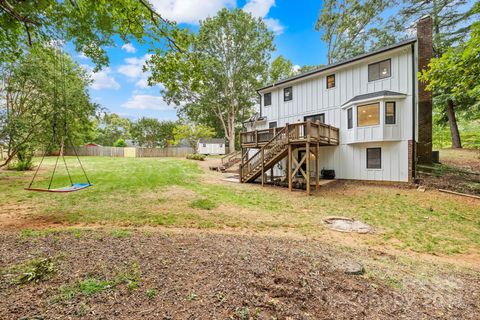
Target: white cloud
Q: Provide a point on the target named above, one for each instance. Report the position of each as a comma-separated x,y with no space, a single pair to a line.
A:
145,101
274,25
190,11
133,70
260,9
296,68
129,48
103,79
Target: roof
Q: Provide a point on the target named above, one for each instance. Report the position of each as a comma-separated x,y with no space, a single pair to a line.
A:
213,140
384,93
340,63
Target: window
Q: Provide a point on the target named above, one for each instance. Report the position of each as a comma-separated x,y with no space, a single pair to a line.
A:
349,118
221,145
330,81
272,124
320,117
379,70
368,115
287,94
374,158
204,145
390,112
267,99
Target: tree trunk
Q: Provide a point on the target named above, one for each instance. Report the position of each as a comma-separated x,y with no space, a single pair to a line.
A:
452,121
231,144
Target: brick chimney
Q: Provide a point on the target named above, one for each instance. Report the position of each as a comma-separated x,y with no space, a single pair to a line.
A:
425,53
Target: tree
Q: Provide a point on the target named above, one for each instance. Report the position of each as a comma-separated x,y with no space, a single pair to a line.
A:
455,75
41,96
451,25
192,133
280,68
153,133
307,68
89,25
218,75
350,27
111,127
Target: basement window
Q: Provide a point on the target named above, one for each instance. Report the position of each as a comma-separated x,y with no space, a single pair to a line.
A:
330,81
316,117
374,158
368,115
390,112
267,99
272,124
287,94
379,70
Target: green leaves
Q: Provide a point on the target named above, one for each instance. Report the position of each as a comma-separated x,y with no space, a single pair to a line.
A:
213,80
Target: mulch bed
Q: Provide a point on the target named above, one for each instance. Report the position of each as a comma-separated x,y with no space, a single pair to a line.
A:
214,276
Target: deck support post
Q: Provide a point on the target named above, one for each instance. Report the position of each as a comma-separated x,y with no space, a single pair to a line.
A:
271,174
317,175
307,178
289,167
263,168
241,165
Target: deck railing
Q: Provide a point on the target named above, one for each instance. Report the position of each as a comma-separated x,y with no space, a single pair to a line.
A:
315,131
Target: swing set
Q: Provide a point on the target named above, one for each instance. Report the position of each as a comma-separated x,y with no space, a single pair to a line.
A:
58,138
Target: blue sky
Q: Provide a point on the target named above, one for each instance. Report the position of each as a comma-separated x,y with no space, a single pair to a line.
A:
121,88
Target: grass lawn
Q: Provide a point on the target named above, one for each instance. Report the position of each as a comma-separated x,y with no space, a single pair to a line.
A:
178,193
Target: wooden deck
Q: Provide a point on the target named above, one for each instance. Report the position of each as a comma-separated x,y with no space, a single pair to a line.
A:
315,132
277,143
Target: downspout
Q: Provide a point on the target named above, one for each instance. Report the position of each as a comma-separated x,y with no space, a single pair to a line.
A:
414,118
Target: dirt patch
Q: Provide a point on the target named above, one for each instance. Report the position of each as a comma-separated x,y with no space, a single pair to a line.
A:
344,224
212,276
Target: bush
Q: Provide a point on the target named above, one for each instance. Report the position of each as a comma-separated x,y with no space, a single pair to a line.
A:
21,165
120,143
196,156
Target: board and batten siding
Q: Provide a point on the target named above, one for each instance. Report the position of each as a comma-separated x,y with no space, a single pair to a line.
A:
311,96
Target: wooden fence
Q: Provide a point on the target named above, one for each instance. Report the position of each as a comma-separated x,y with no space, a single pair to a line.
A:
130,152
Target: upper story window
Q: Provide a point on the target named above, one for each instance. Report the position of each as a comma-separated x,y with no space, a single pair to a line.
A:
272,124
390,112
330,81
379,70
368,115
267,99
221,145
316,117
287,94
350,118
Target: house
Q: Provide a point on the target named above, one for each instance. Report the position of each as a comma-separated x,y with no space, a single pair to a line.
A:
211,146
366,118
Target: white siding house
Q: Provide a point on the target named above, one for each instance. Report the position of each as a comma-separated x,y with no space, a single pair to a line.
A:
211,146
371,99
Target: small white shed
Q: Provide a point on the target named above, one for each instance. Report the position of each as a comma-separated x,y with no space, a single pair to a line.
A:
211,146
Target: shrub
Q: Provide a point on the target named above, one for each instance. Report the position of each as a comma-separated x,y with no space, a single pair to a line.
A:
196,156
120,143
20,165
37,270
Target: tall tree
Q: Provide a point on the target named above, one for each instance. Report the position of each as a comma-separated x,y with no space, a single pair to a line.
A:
111,127
452,20
39,94
351,27
152,133
455,74
89,25
280,68
218,75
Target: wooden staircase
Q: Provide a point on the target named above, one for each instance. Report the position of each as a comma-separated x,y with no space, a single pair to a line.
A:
274,144
266,157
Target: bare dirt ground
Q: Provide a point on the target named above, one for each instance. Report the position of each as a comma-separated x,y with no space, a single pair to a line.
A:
212,276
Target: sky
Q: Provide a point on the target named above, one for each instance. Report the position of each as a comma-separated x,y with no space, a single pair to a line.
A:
122,87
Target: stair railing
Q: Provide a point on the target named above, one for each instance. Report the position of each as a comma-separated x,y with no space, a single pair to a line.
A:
258,159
